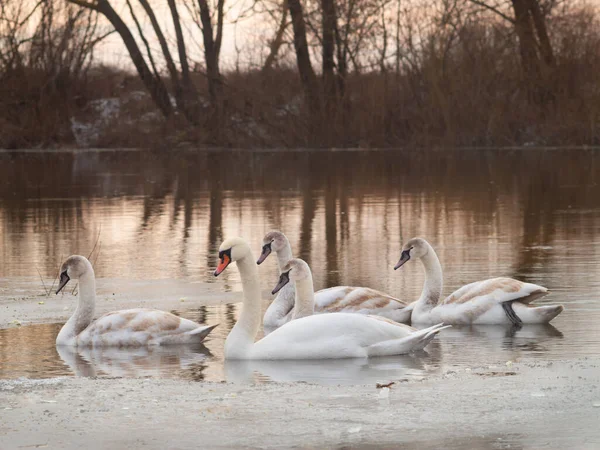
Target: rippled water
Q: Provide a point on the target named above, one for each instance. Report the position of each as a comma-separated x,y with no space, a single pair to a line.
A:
533,215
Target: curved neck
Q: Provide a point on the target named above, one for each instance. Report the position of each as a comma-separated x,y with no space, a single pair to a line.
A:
305,298
284,255
276,313
84,313
241,338
432,288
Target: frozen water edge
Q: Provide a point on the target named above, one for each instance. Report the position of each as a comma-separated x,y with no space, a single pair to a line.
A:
482,409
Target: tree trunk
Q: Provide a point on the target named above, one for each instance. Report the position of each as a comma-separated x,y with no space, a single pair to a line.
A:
190,95
211,55
307,74
278,40
527,46
156,87
174,74
542,33
328,48
329,80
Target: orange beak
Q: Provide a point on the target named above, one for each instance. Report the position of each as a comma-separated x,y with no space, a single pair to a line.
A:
222,265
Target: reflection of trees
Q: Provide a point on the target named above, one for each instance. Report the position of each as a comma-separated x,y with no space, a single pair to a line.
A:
308,214
52,203
539,202
332,276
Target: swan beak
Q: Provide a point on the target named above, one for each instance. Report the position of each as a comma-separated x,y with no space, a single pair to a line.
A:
284,279
405,256
223,263
266,251
64,279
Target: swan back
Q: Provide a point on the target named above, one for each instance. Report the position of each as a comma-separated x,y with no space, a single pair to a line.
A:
496,290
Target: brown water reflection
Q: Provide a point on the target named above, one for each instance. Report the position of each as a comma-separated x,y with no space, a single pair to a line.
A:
531,214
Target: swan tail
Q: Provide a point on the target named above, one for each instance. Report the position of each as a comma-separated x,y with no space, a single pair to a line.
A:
550,312
417,340
530,314
200,333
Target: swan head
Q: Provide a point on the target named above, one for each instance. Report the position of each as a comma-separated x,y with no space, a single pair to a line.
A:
414,248
74,267
295,270
272,242
231,250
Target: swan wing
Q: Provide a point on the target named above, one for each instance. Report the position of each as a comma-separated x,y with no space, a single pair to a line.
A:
496,291
138,327
354,299
329,336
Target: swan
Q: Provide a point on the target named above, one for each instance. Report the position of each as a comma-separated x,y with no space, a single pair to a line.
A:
361,300
125,328
325,336
489,302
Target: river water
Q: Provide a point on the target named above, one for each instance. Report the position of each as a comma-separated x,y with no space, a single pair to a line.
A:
529,214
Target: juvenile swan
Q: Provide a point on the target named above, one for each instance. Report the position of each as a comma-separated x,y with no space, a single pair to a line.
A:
326,336
126,328
361,300
493,301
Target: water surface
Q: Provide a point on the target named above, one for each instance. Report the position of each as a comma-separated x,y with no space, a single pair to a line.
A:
533,215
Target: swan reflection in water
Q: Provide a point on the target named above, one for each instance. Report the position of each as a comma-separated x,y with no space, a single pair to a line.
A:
329,371
176,361
468,346
472,345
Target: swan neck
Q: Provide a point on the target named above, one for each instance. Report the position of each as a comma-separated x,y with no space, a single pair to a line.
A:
284,255
84,313
305,299
241,338
278,310
432,288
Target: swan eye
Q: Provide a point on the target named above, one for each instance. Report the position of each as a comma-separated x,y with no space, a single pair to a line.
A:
224,253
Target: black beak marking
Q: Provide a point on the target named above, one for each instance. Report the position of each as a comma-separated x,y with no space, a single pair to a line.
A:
266,251
224,261
404,257
64,279
284,279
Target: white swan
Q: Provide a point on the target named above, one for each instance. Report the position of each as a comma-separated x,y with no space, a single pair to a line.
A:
493,301
361,300
125,328
325,336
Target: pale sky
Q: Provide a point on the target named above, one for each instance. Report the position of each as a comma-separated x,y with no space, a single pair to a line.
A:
249,35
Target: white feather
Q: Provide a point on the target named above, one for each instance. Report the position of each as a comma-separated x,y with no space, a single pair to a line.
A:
325,336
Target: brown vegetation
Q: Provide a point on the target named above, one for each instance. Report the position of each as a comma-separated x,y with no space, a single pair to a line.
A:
390,73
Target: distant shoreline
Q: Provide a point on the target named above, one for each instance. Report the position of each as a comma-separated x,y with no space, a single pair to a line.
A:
299,149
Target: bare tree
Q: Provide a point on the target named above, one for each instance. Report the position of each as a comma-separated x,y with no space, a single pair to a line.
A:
307,74
155,86
535,48
277,41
